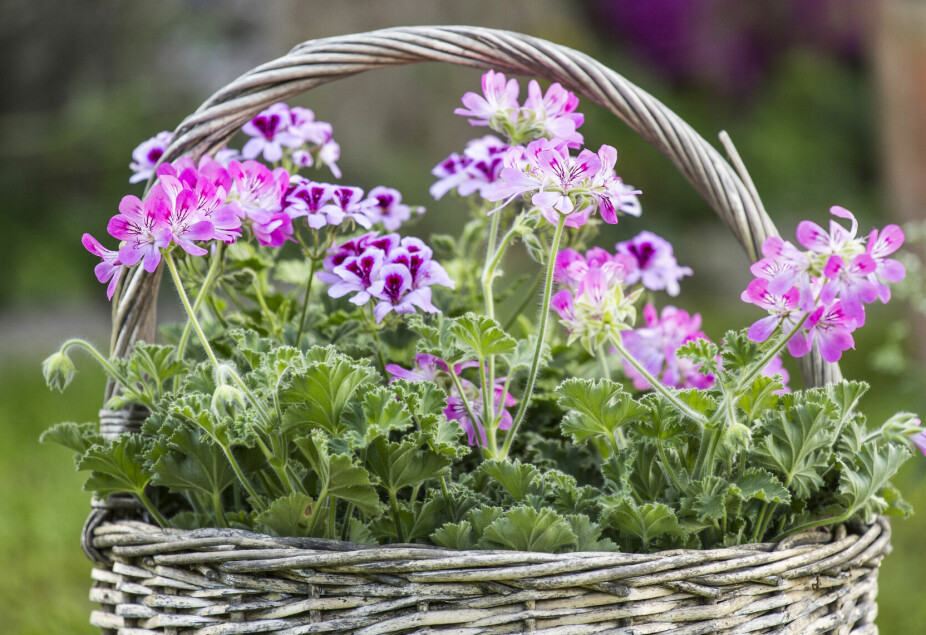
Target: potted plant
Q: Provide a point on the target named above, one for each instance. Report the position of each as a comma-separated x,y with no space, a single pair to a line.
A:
350,432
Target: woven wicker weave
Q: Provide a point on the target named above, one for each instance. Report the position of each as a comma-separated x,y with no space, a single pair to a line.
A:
152,581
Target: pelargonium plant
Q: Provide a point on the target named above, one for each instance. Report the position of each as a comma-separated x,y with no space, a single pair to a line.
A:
338,376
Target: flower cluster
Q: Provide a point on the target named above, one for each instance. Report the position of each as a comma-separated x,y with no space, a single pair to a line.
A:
551,114
396,271
282,132
592,305
460,406
655,346
476,170
324,204
188,205
820,294
563,185
145,157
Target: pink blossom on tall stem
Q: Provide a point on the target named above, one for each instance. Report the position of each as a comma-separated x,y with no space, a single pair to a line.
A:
919,440
110,269
258,198
209,183
185,220
830,329
555,112
784,309
838,240
146,156
384,205
657,269
851,284
499,99
142,228
349,202
308,199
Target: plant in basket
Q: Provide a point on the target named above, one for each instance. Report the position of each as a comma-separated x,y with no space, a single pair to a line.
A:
339,377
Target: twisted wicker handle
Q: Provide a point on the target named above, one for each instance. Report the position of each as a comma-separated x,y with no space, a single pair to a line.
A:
320,61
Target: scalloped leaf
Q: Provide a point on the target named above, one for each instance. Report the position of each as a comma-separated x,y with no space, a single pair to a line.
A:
595,409
526,529
517,478
455,536
482,335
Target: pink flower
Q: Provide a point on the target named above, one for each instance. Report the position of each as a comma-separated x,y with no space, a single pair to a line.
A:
655,346
142,227
784,309
476,170
830,329
881,245
269,132
656,267
385,206
836,241
554,112
110,269
851,284
349,203
146,156
305,198
209,183
257,197
498,100
919,440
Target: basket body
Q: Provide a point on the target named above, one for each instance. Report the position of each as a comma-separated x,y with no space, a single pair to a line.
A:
213,582
150,581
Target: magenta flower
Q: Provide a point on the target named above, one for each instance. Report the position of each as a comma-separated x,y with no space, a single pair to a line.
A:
146,156
356,275
142,227
499,99
476,170
850,284
110,269
305,198
385,206
830,329
349,203
838,240
881,245
257,197
784,309
656,344
656,267
269,132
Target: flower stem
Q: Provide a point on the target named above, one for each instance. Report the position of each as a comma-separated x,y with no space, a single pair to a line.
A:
305,300
208,281
189,309
469,409
374,331
541,333
159,519
657,385
87,346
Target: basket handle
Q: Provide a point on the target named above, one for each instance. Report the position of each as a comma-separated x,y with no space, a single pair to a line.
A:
317,62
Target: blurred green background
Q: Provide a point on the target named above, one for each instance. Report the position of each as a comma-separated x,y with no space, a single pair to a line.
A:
802,88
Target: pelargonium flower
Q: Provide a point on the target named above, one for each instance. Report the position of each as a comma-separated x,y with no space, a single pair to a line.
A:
919,440
656,267
656,344
476,170
436,370
785,311
349,202
499,99
270,132
385,206
305,198
881,245
830,329
838,241
562,185
257,196
399,272
145,157
110,269
554,113
210,183
141,227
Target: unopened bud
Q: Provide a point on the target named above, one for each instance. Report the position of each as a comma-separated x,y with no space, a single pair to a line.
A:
58,370
739,436
226,399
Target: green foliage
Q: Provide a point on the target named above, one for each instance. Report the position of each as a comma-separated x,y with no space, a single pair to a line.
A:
482,336
595,409
525,529
116,466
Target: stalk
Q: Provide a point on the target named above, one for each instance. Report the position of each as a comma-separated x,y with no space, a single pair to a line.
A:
208,281
151,508
87,346
189,309
305,300
541,333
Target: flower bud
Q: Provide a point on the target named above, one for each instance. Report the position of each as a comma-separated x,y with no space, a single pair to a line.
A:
226,399
58,370
739,435
901,426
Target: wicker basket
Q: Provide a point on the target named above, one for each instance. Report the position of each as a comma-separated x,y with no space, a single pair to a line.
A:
153,581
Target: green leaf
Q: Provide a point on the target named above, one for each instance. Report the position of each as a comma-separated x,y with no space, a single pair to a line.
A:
760,396
426,403
482,335
526,529
796,444
116,466
455,536
192,461
588,534
757,483
289,516
700,351
647,522
862,481
523,355
595,409
738,351
338,476
378,414
517,478
405,464
846,395
78,437
483,516
318,396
